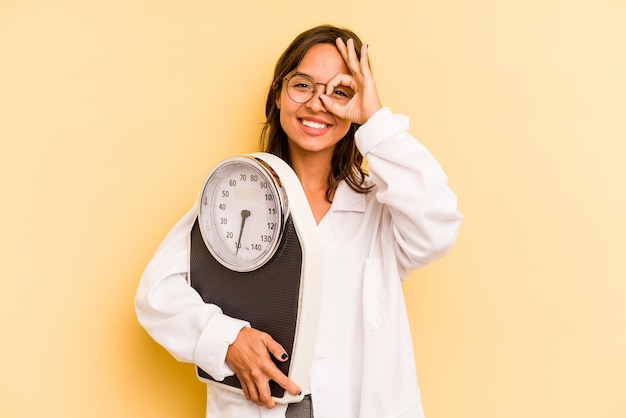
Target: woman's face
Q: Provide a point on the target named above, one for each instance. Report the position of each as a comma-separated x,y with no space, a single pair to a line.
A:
310,128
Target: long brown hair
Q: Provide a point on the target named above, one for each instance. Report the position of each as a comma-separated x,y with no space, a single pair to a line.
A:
347,161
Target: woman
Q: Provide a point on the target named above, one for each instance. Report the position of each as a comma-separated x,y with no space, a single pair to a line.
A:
323,115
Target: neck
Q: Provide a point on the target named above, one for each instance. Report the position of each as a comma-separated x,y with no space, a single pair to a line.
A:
312,171
311,168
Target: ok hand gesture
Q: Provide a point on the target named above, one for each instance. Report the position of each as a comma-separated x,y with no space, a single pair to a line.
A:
365,101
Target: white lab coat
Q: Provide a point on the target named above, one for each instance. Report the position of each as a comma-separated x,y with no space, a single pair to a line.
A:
363,364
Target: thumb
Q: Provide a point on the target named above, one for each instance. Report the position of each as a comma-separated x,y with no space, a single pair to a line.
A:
276,349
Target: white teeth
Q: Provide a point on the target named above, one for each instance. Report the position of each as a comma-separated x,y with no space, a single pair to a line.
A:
314,125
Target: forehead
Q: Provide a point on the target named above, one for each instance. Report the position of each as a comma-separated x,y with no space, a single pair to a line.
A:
322,62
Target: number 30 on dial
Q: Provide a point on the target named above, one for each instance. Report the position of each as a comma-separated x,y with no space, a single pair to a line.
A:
242,212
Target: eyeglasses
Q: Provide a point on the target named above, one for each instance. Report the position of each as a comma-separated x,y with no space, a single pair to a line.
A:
301,88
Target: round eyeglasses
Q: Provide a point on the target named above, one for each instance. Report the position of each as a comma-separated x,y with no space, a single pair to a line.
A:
301,88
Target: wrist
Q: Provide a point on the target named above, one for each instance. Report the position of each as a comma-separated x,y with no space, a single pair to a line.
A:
371,111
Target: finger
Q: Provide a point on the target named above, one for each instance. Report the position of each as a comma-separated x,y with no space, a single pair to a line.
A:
285,382
244,387
365,65
250,391
333,107
275,348
341,46
348,53
256,386
353,59
265,396
340,80
274,372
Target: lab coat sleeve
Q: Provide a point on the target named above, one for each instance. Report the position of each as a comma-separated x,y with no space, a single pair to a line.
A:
414,188
175,315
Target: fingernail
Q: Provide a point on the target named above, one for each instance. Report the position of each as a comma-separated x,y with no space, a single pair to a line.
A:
284,356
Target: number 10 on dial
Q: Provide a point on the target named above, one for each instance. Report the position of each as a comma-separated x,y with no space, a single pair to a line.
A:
242,212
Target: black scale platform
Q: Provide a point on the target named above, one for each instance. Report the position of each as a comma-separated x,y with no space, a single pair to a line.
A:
268,297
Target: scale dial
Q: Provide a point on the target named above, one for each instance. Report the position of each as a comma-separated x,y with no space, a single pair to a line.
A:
242,213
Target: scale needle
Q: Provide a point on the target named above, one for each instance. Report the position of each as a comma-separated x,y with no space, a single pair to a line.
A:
244,215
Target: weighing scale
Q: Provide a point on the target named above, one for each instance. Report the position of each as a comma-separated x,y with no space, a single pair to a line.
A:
256,253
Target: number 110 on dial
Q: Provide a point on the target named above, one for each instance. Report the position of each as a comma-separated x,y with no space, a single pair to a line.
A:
242,212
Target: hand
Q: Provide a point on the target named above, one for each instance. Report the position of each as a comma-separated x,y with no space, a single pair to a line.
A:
249,357
365,101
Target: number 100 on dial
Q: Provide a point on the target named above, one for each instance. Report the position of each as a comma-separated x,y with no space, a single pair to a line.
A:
242,212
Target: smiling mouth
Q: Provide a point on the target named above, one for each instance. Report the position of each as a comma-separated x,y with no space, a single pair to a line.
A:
314,125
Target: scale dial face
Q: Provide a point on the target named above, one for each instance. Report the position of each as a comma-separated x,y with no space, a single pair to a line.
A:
242,212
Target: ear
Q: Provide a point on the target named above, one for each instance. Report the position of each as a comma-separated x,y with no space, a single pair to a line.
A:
278,94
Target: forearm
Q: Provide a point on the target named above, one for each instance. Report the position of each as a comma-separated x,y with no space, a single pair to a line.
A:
175,315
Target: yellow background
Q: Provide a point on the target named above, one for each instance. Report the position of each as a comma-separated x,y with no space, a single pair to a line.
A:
112,112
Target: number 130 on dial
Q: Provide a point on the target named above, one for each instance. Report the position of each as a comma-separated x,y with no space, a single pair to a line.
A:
242,212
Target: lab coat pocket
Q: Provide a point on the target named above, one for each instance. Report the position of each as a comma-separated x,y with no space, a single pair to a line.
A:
375,295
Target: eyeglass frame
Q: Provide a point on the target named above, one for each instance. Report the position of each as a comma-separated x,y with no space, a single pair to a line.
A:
315,84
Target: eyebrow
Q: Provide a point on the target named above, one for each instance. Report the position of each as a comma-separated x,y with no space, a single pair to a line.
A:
308,76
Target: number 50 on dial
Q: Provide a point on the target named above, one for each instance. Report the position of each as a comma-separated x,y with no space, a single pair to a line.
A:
242,212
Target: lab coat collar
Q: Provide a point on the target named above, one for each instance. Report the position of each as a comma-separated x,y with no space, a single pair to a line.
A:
345,200
348,200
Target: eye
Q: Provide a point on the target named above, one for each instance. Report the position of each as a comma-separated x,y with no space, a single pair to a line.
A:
301,83
343,93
